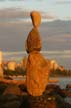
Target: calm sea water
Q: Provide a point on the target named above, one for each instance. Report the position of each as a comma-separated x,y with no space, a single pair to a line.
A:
61,57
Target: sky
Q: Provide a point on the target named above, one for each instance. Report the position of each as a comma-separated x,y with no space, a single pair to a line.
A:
58,9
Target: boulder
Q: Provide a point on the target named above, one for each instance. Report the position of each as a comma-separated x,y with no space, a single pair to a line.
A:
37,73
1,72
36,18
10,101
11,65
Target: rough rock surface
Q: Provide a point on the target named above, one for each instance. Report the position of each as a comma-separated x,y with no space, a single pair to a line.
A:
37,73
12,89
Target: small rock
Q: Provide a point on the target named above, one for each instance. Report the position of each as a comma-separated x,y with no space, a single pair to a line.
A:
36,18
10,101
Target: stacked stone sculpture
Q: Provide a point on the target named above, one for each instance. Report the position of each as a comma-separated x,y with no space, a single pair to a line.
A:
37,66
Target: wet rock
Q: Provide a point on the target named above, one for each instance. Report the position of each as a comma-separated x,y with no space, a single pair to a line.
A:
13,89
33,41
10,101
36,18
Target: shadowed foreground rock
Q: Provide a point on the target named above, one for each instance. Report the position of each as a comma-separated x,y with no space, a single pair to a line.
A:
10,101
51,98
13,89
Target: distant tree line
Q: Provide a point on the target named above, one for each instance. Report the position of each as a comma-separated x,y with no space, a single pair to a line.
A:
58,72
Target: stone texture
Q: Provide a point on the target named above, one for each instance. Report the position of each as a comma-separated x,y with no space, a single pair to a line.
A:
10,101
36,18
37,73
12,89
33,41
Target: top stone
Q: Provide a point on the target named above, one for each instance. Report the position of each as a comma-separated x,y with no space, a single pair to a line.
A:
36,18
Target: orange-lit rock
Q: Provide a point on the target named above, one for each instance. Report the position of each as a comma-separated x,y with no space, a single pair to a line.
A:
54,65
33,41
1,57
1,72
24,63
11,65
37,73
36,18
13,89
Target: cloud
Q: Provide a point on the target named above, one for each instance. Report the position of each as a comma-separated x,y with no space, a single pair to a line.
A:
48,16
63,2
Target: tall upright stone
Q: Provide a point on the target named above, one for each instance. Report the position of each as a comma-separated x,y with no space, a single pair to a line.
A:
1,69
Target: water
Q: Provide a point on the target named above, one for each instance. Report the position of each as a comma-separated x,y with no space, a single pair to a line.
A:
63,81
62,57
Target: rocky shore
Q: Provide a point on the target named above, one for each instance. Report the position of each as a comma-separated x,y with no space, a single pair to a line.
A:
16,96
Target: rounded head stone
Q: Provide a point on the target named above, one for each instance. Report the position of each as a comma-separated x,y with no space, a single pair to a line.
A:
36,18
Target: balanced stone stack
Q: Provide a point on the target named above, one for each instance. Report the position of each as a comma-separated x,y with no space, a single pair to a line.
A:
37,66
